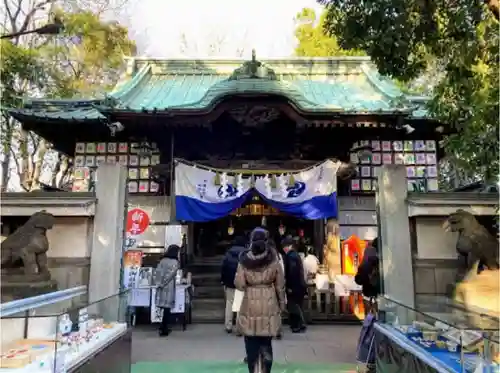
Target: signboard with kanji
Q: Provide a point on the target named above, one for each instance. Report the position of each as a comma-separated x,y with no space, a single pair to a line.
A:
137,222
132,262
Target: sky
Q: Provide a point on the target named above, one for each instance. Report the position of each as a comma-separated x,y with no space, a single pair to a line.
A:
236,26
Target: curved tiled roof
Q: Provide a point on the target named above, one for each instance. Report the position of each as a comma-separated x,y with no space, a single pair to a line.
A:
348,84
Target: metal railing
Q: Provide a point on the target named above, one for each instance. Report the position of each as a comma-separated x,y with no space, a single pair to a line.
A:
21,305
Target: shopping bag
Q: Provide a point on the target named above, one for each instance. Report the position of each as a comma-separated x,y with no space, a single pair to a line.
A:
237,300
365,355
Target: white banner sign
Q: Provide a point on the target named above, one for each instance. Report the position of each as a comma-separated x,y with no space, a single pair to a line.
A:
204,195
179,307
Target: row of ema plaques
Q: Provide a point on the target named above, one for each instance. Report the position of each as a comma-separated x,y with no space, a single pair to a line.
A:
419,157
89,155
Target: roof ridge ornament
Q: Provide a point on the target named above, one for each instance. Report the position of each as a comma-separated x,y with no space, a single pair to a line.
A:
253,69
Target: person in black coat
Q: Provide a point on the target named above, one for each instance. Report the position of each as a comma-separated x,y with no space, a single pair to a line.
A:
296,286
368,275
228,273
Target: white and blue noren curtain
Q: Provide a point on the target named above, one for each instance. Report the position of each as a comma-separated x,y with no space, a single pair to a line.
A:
313,194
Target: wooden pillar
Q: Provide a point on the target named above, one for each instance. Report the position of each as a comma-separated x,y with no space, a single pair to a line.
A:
319,238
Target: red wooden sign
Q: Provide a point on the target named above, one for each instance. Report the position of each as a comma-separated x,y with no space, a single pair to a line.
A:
137,222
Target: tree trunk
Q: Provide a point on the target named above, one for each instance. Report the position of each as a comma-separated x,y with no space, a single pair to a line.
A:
24,171
5,170
56,171
61,171
7,127
38,165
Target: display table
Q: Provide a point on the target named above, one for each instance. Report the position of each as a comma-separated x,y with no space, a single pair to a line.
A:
145,298
113,356
397,352
110,347
332,300
437,338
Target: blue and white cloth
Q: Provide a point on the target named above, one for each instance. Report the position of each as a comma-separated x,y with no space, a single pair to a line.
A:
313,194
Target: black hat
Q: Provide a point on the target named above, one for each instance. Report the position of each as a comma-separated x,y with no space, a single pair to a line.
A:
287,241
259,234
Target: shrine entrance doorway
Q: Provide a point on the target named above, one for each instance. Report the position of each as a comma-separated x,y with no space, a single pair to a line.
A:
213,239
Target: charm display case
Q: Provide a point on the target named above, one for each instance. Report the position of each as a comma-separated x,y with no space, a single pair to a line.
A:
64,333
435,339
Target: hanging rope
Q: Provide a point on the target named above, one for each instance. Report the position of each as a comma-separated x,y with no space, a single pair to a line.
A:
246,172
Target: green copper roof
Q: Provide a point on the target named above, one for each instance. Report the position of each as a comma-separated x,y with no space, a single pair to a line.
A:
71,110
341,85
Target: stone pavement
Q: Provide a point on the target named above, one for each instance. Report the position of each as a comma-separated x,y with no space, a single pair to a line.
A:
207,348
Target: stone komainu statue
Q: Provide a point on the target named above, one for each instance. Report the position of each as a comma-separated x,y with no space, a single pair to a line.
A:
27,247
477,283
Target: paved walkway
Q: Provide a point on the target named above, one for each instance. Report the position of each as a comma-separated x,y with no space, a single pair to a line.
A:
207,348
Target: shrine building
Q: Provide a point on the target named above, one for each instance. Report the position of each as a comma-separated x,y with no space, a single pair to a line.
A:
273,116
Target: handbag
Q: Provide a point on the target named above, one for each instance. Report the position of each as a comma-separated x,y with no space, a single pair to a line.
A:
237,300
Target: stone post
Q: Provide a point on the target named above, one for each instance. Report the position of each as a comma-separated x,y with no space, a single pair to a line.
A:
107,243
396,263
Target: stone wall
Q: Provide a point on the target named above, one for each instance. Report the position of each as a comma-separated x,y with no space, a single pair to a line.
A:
69,252
435,259
70,272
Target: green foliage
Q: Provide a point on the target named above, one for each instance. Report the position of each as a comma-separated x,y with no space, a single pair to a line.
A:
19,68
90,56
407,38
468,98
312,40
17,64
86,60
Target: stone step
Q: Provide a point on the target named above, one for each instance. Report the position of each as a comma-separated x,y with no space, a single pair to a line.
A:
208,310
209,291
208,304
203,316
204,268
210,279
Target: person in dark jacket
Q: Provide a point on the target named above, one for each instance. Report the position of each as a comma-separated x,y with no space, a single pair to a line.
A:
368,275
228,273
296,286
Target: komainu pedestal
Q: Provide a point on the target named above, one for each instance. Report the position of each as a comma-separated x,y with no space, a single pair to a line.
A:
24,271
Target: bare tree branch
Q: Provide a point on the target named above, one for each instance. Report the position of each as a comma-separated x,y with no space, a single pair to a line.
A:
32,13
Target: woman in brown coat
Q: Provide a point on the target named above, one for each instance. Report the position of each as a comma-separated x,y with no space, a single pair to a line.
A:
261,278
